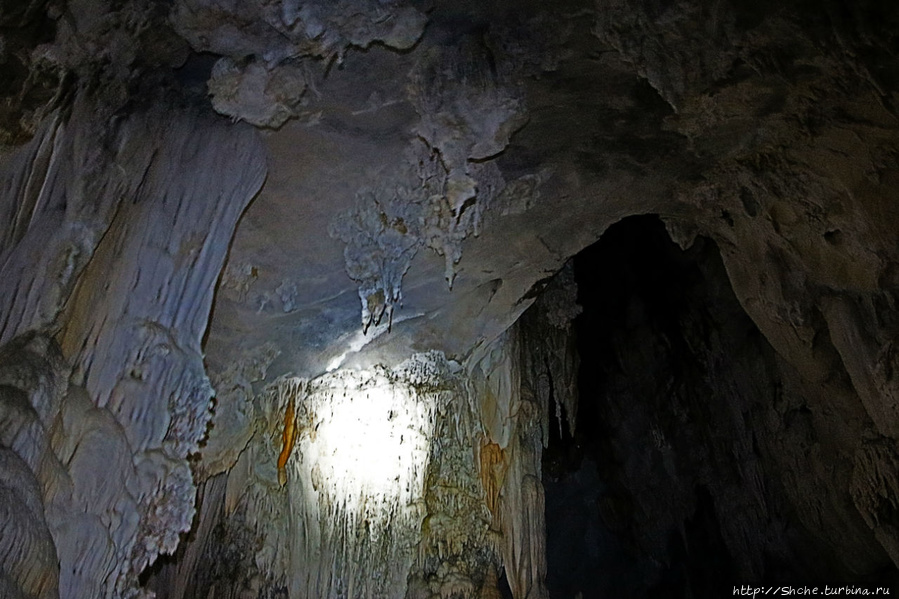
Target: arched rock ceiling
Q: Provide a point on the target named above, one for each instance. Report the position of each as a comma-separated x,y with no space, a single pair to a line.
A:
771,128
286,282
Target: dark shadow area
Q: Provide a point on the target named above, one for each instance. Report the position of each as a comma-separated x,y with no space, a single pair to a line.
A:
504,591
670,486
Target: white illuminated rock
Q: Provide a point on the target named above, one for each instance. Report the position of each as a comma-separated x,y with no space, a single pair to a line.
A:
368,437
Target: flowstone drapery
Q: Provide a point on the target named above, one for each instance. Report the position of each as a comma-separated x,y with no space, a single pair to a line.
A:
119,233
421,481
347,519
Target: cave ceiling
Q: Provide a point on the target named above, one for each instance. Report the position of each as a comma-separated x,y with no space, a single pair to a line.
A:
543,201
509,136
758,126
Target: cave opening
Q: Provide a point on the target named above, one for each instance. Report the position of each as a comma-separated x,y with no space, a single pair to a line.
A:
657,493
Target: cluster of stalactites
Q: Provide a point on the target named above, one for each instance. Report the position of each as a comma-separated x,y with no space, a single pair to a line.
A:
422,480
468,112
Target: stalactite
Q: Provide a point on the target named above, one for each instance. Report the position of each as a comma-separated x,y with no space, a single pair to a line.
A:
553,361
440,524
505,379
523,524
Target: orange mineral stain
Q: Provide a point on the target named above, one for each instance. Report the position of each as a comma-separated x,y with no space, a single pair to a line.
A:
493,473
287,438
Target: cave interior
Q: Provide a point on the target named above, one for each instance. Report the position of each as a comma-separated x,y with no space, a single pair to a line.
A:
421,299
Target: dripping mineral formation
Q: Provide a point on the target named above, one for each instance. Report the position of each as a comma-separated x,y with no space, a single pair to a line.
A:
421,299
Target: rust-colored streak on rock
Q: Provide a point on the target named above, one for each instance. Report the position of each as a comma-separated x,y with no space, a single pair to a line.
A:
287,437
493,470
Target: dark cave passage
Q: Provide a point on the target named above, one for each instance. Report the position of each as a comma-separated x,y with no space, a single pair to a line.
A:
670,486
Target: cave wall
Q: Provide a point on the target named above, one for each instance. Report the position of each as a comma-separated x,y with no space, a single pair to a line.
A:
116,234
406,178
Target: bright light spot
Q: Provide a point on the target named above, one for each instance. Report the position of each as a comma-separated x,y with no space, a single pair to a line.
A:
369,438
356,477
368,446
